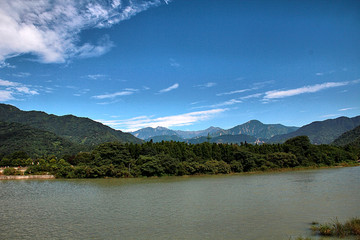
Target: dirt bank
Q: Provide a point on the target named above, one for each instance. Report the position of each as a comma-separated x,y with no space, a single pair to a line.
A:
20,177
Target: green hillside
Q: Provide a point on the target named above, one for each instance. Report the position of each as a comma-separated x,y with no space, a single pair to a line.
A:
16,137
76,129
322,132
257,129
351,137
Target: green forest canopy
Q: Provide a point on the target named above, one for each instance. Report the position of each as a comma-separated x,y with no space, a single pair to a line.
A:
117,159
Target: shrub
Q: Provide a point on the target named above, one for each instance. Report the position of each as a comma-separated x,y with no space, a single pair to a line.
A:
11,171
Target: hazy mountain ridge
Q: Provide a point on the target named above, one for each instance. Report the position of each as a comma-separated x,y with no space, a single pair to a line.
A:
149,132
201,133
254,129
76,129
321,132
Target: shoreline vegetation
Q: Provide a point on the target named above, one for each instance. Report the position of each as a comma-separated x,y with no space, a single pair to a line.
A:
123,160
25,176
350,228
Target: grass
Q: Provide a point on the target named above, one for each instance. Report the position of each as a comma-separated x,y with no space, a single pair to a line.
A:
338,229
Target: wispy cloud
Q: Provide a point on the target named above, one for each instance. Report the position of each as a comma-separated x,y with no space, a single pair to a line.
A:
5,64
227,103
81,92
8,90
172,87
330,115
125,92
185,119
256,95
306,89
21,74
222,104
174,63
233,92
96,76
325,73
206,85
346,109
49,29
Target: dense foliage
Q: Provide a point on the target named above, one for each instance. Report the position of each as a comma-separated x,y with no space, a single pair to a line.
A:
178,158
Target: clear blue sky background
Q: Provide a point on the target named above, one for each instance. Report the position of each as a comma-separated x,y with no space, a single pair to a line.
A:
182,64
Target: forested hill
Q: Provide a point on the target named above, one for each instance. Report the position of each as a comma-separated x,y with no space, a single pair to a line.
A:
321,132
76,129
351,137
15,137
257,129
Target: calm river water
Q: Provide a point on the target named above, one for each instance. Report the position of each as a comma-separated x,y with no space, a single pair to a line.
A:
251,206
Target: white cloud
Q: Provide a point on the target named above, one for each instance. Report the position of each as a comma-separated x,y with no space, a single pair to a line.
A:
185,119
172,87
6,95
12,89
6,83
306,89
49,29
125,92
26,90
233,92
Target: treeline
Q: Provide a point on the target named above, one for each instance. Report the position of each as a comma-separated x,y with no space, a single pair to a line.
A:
179,158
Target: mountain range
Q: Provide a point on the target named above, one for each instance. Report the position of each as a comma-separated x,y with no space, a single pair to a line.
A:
254,128
319,132
40,133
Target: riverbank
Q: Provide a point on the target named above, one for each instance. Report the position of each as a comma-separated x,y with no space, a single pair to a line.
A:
25,177
278,170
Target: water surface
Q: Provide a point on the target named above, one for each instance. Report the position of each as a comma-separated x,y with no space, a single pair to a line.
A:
250,206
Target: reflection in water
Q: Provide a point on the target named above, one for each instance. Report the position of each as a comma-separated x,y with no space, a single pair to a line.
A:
254,206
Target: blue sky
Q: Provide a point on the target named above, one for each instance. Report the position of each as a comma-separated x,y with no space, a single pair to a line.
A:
182,64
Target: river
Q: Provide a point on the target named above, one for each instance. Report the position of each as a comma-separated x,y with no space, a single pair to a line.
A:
248,206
